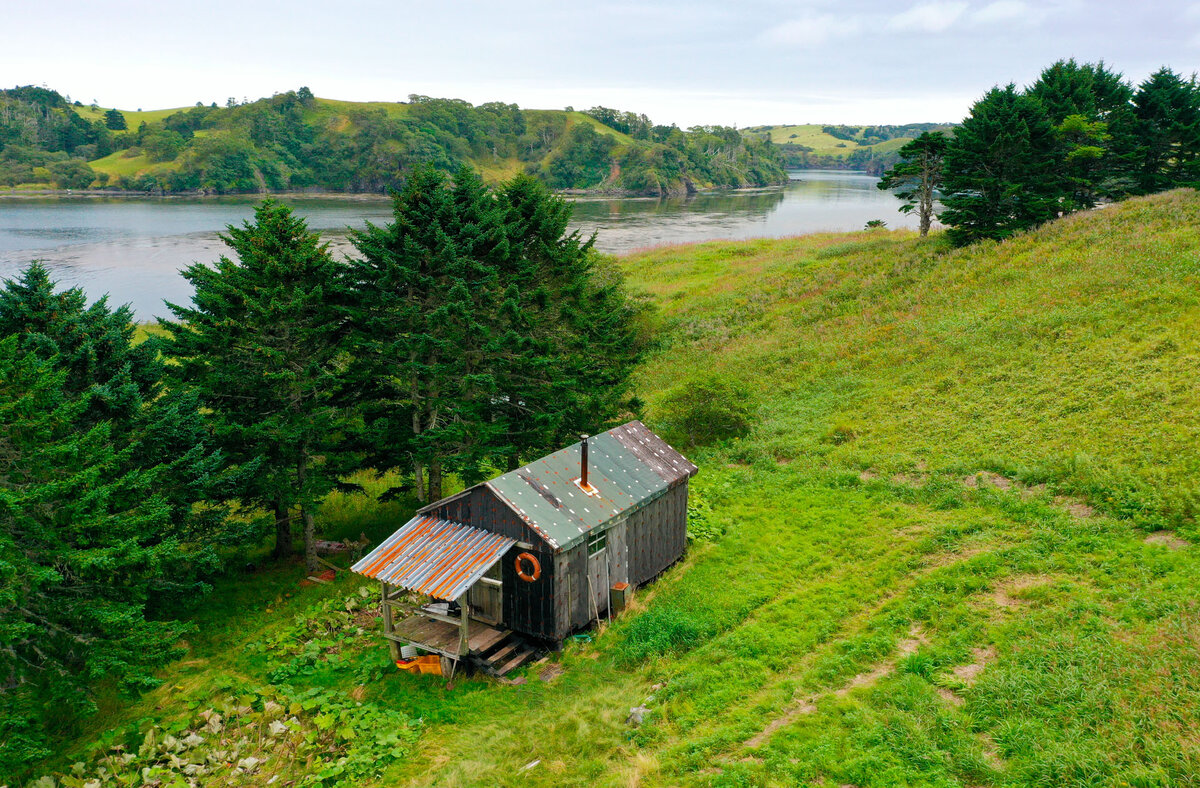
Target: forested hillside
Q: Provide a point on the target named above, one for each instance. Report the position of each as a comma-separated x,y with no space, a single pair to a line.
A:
294,141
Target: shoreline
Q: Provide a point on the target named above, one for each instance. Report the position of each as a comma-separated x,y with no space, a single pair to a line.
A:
615,194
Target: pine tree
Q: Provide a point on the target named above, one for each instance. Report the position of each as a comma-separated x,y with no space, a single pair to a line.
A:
918,175
1001,171
264,347
579,335
425,288
151,428
486,331
1092,112
110,508
1167,109
75,567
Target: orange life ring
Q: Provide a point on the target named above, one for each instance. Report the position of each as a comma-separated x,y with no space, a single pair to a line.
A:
528,577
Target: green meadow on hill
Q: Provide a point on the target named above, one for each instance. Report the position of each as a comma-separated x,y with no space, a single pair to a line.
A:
870,148
956,547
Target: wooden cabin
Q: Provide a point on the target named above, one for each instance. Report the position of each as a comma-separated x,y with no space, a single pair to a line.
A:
535,554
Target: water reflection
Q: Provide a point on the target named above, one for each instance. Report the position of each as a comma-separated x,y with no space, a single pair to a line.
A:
133,249
816,200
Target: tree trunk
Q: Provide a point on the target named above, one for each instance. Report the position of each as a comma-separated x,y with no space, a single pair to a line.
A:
283,531
419,482
435,479
418,471
310,541
927,202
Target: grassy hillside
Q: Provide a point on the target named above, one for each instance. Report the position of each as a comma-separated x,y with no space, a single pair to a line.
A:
957,549
870,148
133,118
128,163
809,135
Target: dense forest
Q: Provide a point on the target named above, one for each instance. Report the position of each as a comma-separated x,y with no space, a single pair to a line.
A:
296,141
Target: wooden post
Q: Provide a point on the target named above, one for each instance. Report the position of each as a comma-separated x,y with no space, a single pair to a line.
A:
464,642
389,624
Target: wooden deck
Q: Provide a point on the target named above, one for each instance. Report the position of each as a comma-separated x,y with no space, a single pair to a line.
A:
432,628
442,637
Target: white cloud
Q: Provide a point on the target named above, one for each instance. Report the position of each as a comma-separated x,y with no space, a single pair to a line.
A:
811,30
933,17
1003,11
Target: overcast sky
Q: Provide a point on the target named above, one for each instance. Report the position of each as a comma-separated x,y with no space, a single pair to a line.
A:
744,62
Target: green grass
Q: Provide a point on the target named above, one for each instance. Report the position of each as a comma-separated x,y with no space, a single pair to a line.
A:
810,135
822,144
133,118
826,638
118,164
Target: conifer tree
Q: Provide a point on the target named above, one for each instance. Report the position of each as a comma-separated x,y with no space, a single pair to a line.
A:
84,546
425,287
485,330
150,427
1167,108
918,175
264,346
101,531
1090,108
1001,169
579,334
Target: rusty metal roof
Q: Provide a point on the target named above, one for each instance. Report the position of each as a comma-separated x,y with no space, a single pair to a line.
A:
435,557
628,467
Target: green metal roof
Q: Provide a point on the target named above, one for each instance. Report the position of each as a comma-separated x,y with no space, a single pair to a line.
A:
628,466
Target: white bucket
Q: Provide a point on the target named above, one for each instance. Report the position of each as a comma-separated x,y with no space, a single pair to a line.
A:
408,652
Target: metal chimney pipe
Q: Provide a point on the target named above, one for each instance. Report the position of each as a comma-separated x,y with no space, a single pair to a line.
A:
583,463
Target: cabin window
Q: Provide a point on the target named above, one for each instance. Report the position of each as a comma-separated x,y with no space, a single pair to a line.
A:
597,543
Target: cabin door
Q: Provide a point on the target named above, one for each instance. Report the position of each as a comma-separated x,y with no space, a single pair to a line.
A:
598,574
485,598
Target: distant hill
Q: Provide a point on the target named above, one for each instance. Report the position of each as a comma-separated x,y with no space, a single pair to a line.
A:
296,141
870,148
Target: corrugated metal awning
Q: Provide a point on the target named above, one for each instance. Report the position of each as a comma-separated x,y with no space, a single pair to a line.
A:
435,557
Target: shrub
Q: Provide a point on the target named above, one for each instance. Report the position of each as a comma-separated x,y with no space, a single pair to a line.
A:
701,527
705,411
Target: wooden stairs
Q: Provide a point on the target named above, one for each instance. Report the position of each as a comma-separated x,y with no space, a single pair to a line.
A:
505,655
496,652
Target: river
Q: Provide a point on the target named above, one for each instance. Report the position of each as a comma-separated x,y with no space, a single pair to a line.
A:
133,248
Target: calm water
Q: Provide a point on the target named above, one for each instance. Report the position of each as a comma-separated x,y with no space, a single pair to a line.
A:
133,248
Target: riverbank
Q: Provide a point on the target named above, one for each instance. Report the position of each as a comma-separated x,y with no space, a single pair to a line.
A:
610,193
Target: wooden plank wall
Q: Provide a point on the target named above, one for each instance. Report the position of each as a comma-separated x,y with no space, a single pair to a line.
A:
529,607
657,534
581,608
618,552
482,509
